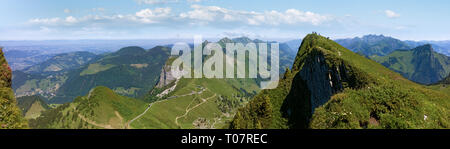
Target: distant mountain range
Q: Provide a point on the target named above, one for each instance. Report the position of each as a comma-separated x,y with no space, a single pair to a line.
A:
62,62
373,44
442,47
381,45
21,59
421,64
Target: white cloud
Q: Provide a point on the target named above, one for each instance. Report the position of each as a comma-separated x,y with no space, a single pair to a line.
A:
211,14
391,14
144,16
45,21
70,19
152,16
198,16
155,13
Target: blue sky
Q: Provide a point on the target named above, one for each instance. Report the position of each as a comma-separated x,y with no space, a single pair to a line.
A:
276,19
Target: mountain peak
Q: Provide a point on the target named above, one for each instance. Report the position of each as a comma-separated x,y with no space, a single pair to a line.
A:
427,48
369,45
225,40
373,35
242,39
131,50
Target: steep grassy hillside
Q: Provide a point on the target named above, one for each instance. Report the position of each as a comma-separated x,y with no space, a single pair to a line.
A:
443,85
198,103
32,106
101,108
332,87
421,64
10,115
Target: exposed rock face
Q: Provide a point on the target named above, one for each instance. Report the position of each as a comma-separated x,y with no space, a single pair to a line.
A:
314,85
166,77
428,68
322,81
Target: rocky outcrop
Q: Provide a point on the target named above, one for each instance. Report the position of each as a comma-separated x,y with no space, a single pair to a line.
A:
166,77
319,78
168,80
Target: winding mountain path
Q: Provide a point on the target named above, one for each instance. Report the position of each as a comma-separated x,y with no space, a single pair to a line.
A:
139,116
151,104
189,109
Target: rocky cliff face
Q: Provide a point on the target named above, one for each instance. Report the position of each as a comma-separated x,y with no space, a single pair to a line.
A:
319,78
428,67
166,77
168,80
10,115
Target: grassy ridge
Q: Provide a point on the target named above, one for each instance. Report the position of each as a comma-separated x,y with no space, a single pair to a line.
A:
379,98
32,106
101,108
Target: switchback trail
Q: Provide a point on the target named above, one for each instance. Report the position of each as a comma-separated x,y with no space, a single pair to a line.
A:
151,104
189,109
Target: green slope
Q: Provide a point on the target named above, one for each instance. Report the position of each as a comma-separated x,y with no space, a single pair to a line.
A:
101,108
32,106
10,115
421,64
198,103
332,87
443,85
